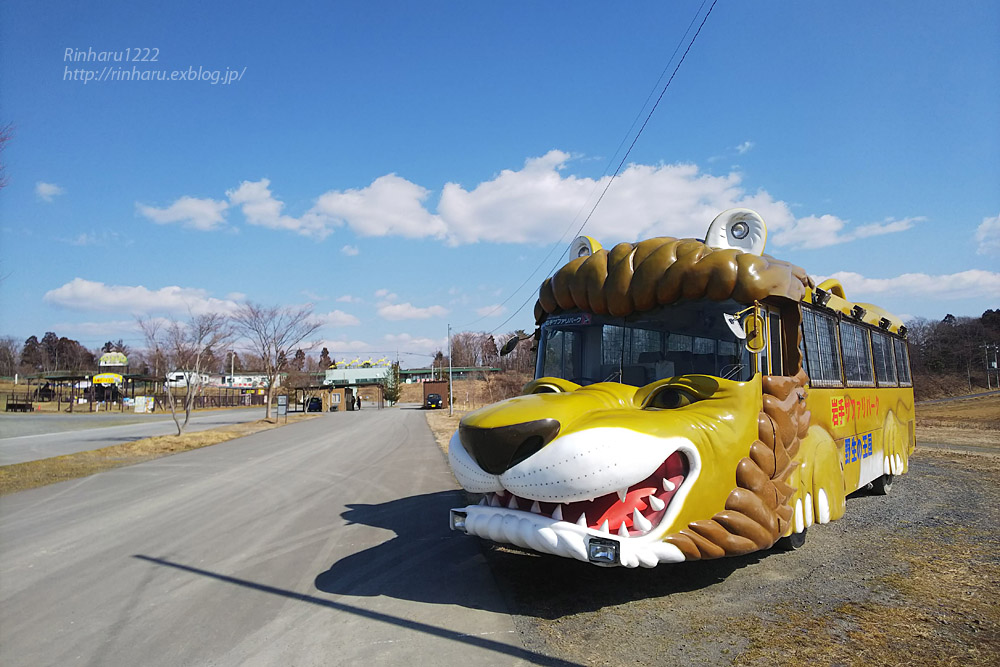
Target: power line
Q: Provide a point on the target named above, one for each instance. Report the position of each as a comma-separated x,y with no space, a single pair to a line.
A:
631,146
558,242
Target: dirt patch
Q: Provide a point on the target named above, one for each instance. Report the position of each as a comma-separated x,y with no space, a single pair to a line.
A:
909,578
444,426
32,474
982,413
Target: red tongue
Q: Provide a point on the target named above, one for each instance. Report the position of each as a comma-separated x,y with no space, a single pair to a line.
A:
610,508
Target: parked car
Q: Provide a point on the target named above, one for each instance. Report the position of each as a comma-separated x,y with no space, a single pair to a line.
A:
314,404
434,401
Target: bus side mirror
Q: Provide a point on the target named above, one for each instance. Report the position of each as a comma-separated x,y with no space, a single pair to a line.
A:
754,327
751,329
509,346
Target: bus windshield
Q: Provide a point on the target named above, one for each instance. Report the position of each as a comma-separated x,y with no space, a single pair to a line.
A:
680,339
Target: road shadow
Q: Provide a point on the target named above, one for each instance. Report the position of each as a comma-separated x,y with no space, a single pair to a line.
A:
427,562
424,561
500,648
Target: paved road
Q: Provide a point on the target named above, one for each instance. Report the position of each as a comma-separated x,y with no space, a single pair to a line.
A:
320,543
32,437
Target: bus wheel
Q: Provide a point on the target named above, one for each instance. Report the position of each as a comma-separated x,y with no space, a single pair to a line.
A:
792,542
882,486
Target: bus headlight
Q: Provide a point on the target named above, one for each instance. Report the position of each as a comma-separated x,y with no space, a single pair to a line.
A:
458,520
602,551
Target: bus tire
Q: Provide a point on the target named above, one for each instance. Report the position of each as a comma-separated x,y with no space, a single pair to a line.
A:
882,486
792,542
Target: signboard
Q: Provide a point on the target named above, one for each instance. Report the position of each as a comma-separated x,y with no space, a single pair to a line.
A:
113,359
282,405
107,378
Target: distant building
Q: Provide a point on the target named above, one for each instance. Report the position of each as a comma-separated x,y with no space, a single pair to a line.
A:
349,377
458,373
248,381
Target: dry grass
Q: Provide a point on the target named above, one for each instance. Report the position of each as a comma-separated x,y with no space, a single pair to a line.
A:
967,422
443,426
943,614
32,474
970,413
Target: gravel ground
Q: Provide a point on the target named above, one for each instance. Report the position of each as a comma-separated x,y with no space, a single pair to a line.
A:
907,578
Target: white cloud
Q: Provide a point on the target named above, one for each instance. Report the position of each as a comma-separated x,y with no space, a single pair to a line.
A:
385,294
259,207
105,238
110,330
339,348
541,202
80,294
417,345
826,230
313,296
407,311
338,318
48,191
202,214
494,310
538,204
973,283
988,236
391,205
745,147
350,250
347,298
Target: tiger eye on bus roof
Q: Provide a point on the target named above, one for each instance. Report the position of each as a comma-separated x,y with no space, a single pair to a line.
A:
668,434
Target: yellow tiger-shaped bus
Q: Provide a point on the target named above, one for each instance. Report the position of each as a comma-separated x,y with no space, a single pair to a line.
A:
693,399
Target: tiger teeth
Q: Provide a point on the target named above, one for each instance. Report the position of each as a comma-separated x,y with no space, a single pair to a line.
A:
484,501
512,505
582,521
605,527
641,522
536,508
622,493
668,485
557,513
495,501
656,503
622,530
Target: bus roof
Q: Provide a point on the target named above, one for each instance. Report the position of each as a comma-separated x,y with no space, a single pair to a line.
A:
637,277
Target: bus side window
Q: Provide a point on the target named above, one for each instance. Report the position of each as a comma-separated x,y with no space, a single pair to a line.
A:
902,362
885,367
774,343
857,355
822,358
763,364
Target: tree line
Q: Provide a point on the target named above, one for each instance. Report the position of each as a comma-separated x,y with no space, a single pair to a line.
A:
958,350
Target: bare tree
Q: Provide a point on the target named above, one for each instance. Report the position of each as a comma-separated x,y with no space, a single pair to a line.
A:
187,347
10,352
6,134
272,333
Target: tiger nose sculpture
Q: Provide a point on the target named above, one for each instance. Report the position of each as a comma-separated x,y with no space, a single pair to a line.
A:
501,448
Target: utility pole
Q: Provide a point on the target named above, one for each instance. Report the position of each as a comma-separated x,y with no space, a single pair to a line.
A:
451,397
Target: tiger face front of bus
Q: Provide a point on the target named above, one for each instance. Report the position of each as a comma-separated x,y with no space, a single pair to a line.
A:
631,445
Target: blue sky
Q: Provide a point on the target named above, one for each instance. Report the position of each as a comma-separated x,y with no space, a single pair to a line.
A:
402,166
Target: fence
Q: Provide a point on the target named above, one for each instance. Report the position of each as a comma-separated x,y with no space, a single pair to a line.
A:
59,398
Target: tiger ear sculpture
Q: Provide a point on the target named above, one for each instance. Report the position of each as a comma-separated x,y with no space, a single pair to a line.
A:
737,229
